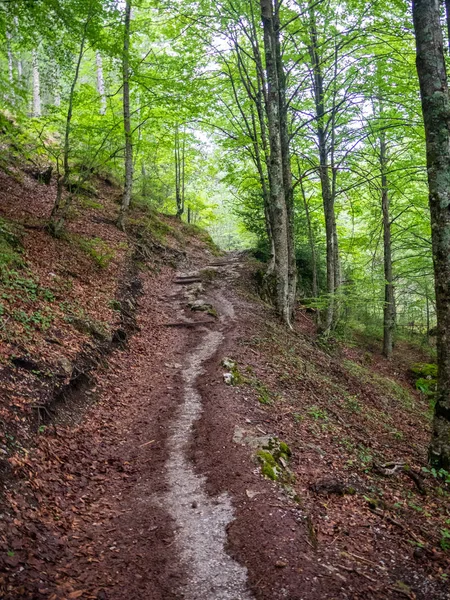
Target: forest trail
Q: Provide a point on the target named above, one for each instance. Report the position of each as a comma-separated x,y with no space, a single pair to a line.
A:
152,487
151,529
201,520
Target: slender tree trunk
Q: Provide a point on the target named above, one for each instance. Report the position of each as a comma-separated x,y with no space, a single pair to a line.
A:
100,82
447,18
144,180
60,210
287,172
183,171
10,57
179,172
389,297
278,206
312,245
436,114
57,93
19,62
127,120
36,86
332,257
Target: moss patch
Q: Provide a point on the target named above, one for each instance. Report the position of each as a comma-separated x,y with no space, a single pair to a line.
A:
274,458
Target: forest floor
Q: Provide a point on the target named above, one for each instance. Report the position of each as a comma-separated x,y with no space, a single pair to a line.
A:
165,437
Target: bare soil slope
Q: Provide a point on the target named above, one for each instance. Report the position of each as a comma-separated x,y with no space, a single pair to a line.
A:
164,436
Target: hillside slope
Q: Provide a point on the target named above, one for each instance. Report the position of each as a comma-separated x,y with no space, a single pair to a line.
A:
164,436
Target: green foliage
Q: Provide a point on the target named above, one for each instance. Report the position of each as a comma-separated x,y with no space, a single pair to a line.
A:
10,247
385,385
317,413
20,290
352,404
424,370
97,249
274,458
441,474
445,539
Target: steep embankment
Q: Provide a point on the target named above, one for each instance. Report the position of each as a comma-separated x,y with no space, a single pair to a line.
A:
65,305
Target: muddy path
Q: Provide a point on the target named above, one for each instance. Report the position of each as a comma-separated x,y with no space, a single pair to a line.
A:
155,493
129,514
200,520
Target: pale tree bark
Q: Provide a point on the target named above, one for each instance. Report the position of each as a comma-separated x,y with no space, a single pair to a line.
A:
10,57
61,208
279,196
389,293
312,245
126,198
183,170
19,62
434,91
447,18
287,172
57,87
179,156
259,143
36,85
100,82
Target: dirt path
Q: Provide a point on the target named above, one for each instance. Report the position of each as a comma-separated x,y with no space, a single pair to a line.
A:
201,520
156,493
135,517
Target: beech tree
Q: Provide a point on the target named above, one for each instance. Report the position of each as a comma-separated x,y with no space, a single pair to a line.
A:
306,112
432,72
128,185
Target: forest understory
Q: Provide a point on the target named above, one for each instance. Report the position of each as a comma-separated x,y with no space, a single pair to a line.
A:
128,357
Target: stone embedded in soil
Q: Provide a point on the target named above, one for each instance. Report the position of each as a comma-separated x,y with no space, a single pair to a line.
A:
200,305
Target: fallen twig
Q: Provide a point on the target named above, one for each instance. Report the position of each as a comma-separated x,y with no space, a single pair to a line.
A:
362,559
391,468
353,570
146,443
398,524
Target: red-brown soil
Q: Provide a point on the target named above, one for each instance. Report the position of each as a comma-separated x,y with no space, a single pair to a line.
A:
83,511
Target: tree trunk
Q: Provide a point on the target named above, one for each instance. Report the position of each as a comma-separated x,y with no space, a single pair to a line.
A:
127,120
278,206
312,246
57,93
36,86
327,189
10,57
179,172
447,18
183,164
100,82
19,62
389,297
144,180
287,172
436,114
60,210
